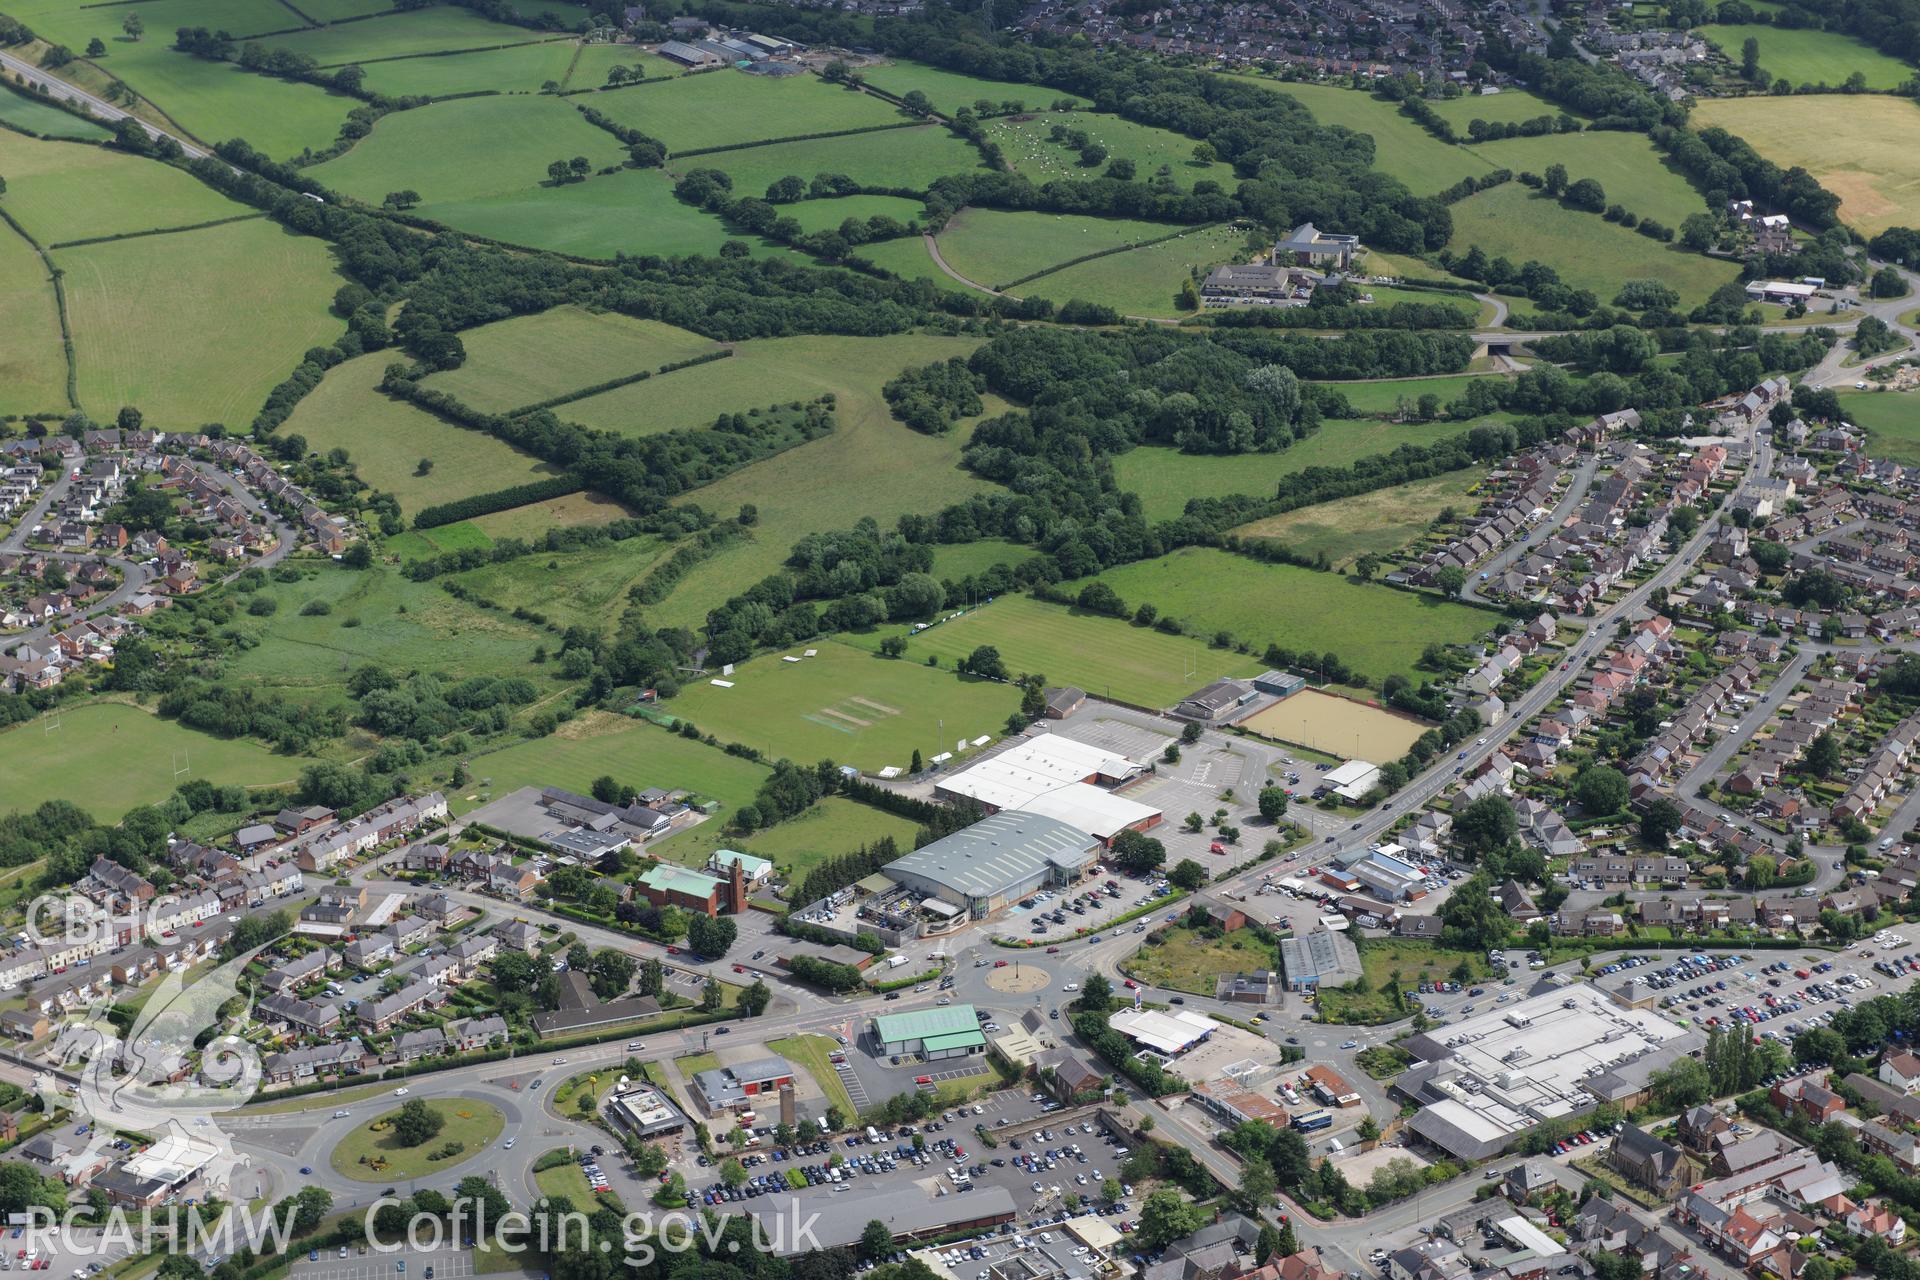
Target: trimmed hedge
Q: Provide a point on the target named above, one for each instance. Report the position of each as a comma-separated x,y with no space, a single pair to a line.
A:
157,231
613,384
481,504
796,137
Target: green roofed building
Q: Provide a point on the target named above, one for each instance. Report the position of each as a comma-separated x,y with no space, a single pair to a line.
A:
949,1032
666,885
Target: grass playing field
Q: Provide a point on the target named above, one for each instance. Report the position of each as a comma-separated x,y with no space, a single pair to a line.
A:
720,108
386,440
1514,221
585,588
61,191
41,762
1142,282
528,359
521,68
1379,631
1401,147
469,148
949,90
33,365
1623,163
1892,421
373,1153
1166,478
848,705
28,113
1509,106
1104,656
1806,56
1029,148
1865,148
993,248
1381,522
910,158
252,295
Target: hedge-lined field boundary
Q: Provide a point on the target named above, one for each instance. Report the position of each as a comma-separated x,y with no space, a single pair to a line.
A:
60,303
1103,253
798,137
157,231
627,380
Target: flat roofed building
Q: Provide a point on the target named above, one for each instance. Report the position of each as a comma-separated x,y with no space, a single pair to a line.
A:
1351,780
1032,767
997,861
1100,813
951,1031
1170,1034
644,1111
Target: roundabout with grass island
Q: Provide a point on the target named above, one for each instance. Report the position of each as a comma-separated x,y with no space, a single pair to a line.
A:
450,1132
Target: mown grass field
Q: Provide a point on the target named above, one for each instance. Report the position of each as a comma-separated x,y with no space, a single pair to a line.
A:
1381,522
1509,106
469,148
521,68
994,248
721,108
252,296
1142,282
33,364
27,113
1104,656
60,191
386,440
1385,397
1514,221
910,158
437,29
1401,147
848,705
1805,56
1166,478
949,90
1891,419
528,359
828,213
1624,163
1379,631
584,588
1030,150
42,763
1865,148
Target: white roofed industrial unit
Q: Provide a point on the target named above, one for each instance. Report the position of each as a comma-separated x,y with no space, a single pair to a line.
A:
1352,780
1032,767
1091,809
1166,1033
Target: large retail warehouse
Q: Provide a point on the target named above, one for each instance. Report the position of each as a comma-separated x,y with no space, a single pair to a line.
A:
997,861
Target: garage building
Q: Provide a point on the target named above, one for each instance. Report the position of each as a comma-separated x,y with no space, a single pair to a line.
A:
997,861
952,1031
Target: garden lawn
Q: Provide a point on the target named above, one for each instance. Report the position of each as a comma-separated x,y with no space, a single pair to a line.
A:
1185,959
438,29
827,214
1381,522
1104,656
387,439
1401,147
468,148
33,362
198,326
523,68
993,248
632,211
468,1121
1384,397
42,762
722,108
1509,106
29,113
1624,163
62,191
1029,148
587,588
1805,56
528,359
949,90
898,158
1892,421
1142,282
847,705
1379,631
1522,225
1166,478
1865,148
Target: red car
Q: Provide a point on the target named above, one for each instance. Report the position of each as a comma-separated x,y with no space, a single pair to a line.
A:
673,951
1216,847
923,1079
1130,985
999,964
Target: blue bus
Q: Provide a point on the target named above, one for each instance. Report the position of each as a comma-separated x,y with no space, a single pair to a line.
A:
1308,1121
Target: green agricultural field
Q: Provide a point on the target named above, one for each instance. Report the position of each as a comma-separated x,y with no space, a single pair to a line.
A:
828,214
1892,422
910,158
953,561
1142,282
1382,522
536,518
993,248
632,211
61,191
1522,225
437,29
573,588
23,112
33,364
721,108
1027,143
469,148
377,615
1509,106
1624,163
522,68
592,62
335,10
1104,656
252,296
528,359
908,258
42,762
1385,396
848,705
387,440
1805,56
418,544
1865,148
1401,147
1166,478
372,1152
1378,630
949,90
75,23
